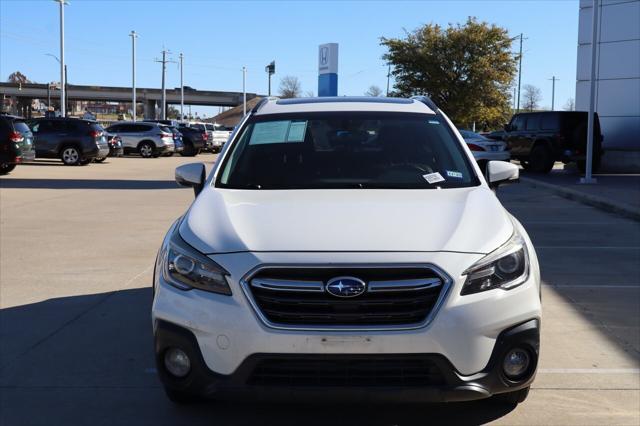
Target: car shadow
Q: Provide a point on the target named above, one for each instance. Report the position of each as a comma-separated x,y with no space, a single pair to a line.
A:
43,163
87,184
72,360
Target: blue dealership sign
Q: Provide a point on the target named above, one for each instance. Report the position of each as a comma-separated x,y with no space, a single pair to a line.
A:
328,69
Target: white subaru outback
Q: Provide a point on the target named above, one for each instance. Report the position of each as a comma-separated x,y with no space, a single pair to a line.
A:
347,248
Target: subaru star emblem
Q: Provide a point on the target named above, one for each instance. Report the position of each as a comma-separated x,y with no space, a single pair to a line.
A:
345,287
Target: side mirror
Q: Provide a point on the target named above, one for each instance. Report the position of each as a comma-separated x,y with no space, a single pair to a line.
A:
193,175
501,172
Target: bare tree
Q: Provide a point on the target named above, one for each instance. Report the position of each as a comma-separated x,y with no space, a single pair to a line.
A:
532,96
309,94
290,87
374,91
17,77
570,105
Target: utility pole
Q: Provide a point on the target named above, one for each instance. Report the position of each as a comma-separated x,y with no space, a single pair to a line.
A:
519,73
244,90
164,90
63,109
181,91
66,89
588,178
553,91
133,36
388,76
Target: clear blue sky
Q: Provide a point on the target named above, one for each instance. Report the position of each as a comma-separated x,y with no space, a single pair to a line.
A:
218,38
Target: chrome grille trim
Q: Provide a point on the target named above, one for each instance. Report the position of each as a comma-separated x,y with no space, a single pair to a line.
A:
288,285
403,285
445,279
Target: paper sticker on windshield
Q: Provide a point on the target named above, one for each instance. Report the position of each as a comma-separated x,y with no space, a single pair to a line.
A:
452,174
433,177
297,130
434,122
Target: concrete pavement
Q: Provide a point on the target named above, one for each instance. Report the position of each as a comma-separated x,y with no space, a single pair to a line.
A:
77,246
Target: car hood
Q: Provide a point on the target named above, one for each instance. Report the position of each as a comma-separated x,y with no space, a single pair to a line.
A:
460,219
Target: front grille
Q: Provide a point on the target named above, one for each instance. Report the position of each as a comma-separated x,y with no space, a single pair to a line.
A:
347,371
394,296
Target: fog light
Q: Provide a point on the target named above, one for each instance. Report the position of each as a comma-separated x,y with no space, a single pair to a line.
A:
177,362
516,363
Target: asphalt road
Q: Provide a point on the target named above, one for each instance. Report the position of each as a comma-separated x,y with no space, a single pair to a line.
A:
76,251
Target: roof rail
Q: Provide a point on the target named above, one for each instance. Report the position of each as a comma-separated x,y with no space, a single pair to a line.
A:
262,103
427,101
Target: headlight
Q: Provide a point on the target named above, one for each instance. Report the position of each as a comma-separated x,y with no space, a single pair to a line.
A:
185,268
505,268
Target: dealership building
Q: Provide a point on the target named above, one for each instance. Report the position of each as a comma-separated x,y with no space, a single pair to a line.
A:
617,78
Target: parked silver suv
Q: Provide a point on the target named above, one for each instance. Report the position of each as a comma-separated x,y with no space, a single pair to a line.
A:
147,139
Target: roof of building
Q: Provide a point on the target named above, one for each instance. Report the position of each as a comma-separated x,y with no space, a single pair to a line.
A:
233,116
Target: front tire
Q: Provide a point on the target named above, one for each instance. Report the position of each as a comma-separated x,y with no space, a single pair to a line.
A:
189,150
541,159
71,156
146,150
512,398
6,168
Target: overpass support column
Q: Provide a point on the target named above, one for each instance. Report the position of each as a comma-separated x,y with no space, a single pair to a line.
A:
14,105
150,109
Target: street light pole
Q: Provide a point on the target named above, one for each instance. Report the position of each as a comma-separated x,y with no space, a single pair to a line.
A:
519,73
244,90
553,91
181,91
388,76
133,36
63,109
588,178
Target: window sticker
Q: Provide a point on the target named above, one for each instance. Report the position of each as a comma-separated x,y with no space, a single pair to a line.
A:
433,177
434,122
454,174
297,130
278,132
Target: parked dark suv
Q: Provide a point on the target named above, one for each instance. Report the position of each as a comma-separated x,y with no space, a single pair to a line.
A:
16,143
74,141
538,139
194,140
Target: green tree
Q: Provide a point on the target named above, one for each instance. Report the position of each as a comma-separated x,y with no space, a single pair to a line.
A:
466,70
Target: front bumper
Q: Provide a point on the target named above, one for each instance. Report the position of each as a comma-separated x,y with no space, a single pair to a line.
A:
117,151
441,382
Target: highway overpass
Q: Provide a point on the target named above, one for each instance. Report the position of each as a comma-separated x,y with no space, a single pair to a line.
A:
150,98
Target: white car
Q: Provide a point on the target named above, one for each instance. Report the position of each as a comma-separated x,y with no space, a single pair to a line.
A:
220,136
347,248
485,149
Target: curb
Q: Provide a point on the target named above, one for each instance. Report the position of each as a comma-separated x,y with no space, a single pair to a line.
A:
590,200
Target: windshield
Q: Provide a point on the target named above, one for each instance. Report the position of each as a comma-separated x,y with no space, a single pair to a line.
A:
346,150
